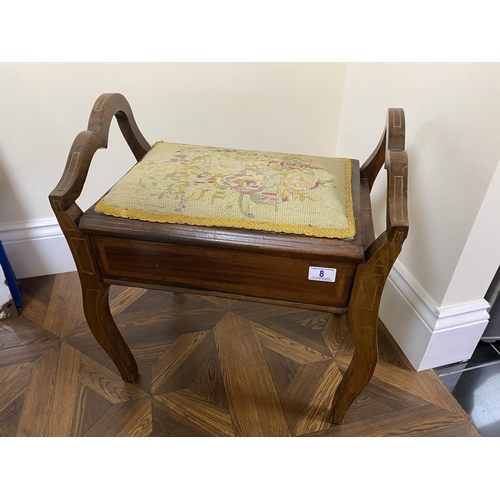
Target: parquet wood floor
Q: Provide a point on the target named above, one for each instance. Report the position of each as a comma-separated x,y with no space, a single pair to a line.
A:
208,367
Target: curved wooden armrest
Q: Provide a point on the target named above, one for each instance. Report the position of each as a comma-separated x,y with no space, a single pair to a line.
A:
391,152
86,143
397,197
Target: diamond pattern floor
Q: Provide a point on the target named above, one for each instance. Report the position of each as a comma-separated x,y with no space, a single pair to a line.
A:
208,367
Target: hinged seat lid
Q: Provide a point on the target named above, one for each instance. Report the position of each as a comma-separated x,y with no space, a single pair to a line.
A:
235,188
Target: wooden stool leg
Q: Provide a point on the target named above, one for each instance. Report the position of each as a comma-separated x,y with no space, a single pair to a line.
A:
362,321
104,329
95,294
363,330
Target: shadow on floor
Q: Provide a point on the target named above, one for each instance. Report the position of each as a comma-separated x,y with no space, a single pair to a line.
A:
476,386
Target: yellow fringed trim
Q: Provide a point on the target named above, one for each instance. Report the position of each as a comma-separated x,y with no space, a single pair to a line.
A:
126,213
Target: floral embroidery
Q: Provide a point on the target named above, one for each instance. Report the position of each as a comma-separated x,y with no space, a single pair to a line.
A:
231,184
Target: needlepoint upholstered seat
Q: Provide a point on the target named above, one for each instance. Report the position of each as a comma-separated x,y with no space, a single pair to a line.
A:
207,186
269,227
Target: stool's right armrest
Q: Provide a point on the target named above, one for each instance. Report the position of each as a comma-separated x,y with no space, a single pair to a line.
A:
396,163
86,143
391,152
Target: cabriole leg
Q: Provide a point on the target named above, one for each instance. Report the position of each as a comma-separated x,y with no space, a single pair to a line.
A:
104,329
362,322
363,329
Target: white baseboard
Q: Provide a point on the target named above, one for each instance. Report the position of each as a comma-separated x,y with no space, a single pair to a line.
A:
430,336
36,248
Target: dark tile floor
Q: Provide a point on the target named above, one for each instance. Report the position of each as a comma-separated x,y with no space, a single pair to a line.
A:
476,386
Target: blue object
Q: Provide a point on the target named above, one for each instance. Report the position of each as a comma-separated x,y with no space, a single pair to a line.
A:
11,278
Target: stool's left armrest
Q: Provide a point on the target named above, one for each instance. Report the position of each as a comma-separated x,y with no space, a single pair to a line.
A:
70,186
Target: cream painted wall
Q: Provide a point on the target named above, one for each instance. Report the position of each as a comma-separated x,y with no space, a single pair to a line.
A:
453,123
292,107
480,257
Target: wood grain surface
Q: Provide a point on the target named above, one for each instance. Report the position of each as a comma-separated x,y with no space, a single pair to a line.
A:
207,368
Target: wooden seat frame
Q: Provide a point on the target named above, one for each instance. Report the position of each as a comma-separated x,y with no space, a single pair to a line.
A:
109,250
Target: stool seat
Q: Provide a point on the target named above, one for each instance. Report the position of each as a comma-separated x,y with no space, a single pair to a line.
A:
222,187
254,264
189,224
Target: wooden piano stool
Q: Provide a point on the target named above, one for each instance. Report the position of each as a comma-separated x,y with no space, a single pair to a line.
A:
268,227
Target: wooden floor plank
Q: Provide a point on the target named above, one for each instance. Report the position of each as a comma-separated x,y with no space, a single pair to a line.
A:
143,380
39,287
149,353
89,408
19,324
174,357
170,325
366,408
287,346
107,383
281,368
215,420
34,310
258,312
127,419
140,424
18,347
194,361
345,349
209,384
424,421
318,413
14,380
389,350
168,305
313,320
334,333
437,393
36,294
183,304
393,396
151,334
169,423
36,409
450,430
65,309
65,393
26,353
82,339
297,398
124,299
9,417
399,378
218,301
255,407
295,331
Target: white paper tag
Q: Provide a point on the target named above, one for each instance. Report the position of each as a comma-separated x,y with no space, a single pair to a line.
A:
322,274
